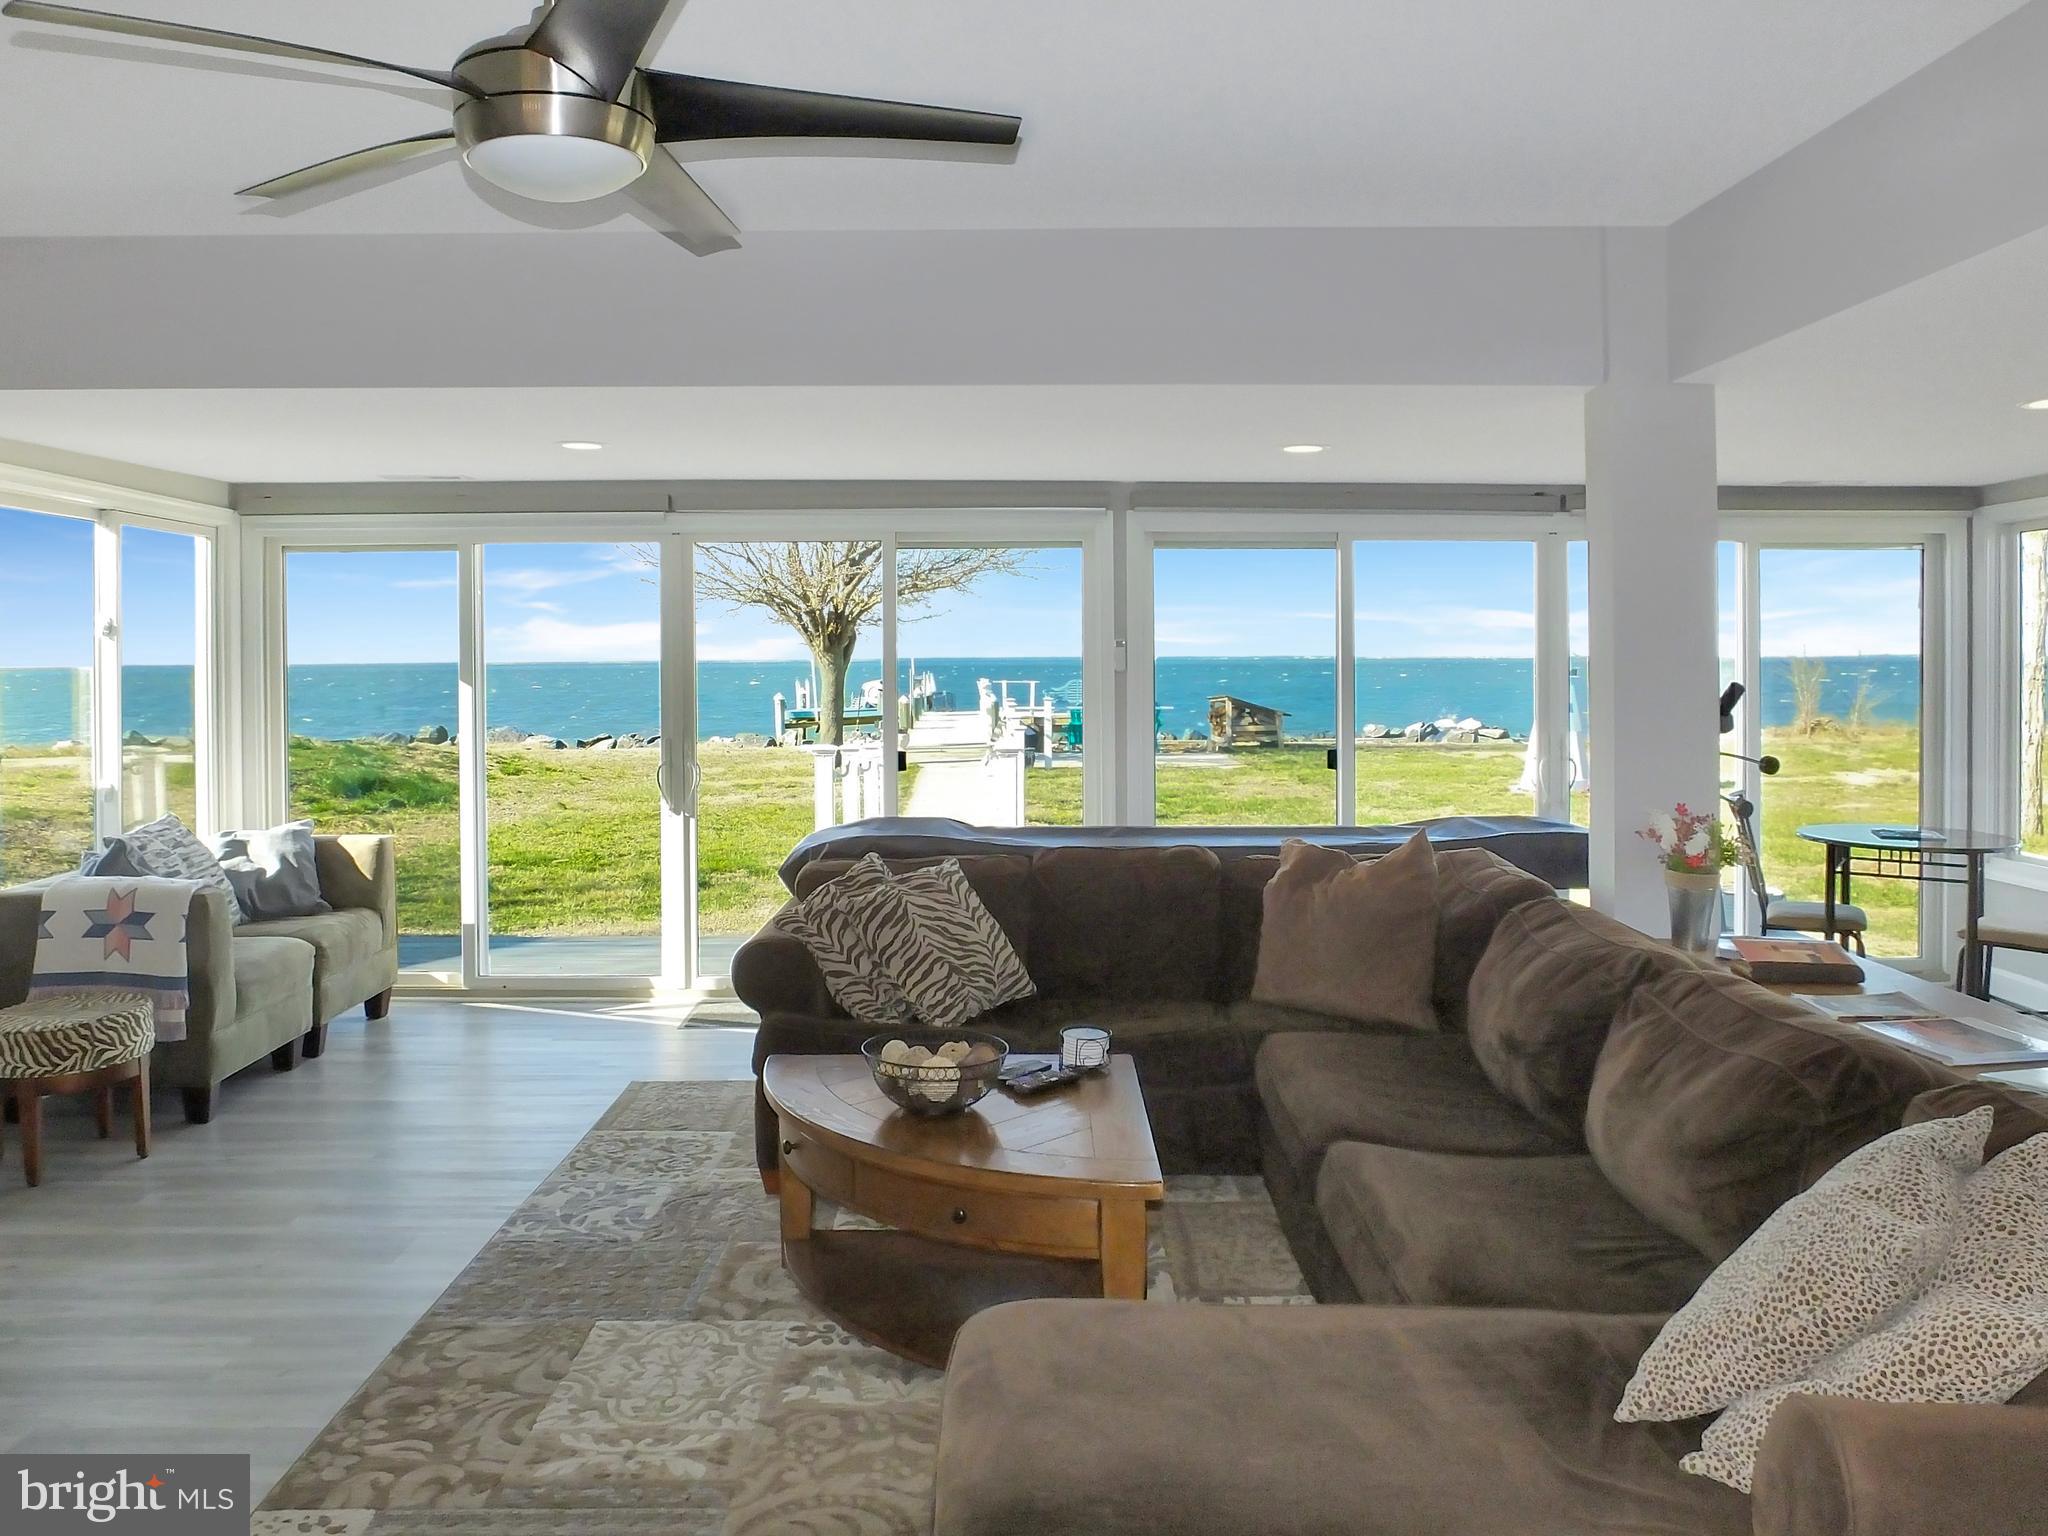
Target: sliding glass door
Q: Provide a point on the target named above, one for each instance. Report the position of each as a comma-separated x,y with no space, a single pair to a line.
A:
371,644
571,740
1444,632
1830,642
787,733
989,698
1244,685
1840,701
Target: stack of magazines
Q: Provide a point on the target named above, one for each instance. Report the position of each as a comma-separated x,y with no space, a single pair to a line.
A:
1907,1021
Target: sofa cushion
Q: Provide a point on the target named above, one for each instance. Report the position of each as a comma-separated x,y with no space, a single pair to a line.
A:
955,963
340,938
1128,1419
167,849
1435,1229
1551,981
1714,1102
1826,1266
1177,1043
1242,893
2016,1115
1350,938
1474,891
273,974
1125,924
855,927
1002,881
273,871
1394,1089
1979,1334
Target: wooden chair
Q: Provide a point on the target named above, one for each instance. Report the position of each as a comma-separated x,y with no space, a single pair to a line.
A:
1780,914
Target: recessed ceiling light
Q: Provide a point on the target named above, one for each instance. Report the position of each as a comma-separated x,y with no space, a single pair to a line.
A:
2035,405
1303,448
579,445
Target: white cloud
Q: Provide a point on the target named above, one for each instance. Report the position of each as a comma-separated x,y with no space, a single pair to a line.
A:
763,648
545,638
423,583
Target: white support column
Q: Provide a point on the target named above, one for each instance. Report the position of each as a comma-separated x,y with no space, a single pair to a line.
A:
1652,508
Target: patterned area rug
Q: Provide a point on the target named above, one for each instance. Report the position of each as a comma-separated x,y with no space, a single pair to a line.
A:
627,1355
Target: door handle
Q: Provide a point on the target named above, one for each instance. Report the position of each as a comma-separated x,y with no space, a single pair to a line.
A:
1330,759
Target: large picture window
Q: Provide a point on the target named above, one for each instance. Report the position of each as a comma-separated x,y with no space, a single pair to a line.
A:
46,700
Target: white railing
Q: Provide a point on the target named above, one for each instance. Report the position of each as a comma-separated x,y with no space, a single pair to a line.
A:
846,783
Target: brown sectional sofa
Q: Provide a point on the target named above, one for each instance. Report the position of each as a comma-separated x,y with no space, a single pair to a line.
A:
263,988
1522,1195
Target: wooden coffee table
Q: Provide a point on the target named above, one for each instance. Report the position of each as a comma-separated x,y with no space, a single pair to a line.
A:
1016,1198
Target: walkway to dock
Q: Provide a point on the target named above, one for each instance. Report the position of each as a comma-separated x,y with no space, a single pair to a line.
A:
949,748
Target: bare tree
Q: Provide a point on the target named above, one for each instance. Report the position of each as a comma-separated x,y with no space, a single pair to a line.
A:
828,591
2033,678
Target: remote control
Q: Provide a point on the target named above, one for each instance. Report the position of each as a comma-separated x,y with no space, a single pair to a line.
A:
1040,1079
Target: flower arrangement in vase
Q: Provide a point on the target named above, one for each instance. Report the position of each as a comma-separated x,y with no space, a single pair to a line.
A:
1693,848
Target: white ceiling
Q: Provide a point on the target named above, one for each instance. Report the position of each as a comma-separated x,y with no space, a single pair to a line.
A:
1919,387
1788,415
910,433
1138,113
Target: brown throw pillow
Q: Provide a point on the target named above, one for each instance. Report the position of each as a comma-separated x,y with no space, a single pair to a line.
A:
1356,941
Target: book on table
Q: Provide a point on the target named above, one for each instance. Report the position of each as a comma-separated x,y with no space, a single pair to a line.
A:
1779,961
1905,1020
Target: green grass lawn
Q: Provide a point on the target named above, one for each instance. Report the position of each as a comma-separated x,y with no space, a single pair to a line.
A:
575,841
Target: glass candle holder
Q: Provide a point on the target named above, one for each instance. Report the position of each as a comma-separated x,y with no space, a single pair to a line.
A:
1084,1046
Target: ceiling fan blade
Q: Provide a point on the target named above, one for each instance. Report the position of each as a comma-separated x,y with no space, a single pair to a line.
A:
601,40
693,107
209,37
341,166
668,197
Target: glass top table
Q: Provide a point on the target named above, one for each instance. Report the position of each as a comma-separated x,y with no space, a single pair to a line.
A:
1930,855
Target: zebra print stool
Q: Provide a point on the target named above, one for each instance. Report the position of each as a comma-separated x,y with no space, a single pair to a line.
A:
75,1042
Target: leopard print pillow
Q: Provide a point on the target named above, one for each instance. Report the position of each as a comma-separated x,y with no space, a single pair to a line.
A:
1827,1265
1978,1335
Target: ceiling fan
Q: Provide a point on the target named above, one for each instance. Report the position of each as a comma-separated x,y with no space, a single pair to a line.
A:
562,111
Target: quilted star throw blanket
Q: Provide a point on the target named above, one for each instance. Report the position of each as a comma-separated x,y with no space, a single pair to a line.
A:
125,935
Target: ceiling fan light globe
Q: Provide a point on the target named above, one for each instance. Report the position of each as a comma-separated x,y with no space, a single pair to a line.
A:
554,167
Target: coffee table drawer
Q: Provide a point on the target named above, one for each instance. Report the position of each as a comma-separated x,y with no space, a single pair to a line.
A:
827,1173
1015,1223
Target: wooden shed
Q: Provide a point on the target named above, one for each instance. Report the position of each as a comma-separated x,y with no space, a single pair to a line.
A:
1235,722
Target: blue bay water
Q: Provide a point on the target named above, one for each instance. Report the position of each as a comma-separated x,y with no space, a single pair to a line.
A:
39,706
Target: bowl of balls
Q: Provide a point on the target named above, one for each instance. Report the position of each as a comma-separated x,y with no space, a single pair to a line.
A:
935,1071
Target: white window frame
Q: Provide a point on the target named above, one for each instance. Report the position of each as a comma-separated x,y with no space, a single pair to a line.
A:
1149,530
267,539
1945,612
1995,562
214,532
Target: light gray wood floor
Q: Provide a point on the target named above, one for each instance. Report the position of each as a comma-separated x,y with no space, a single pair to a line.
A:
229,1293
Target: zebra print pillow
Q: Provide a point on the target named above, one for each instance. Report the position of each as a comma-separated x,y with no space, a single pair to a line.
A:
959,963
853,926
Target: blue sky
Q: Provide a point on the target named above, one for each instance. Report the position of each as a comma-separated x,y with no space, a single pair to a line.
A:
46,593
594,602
